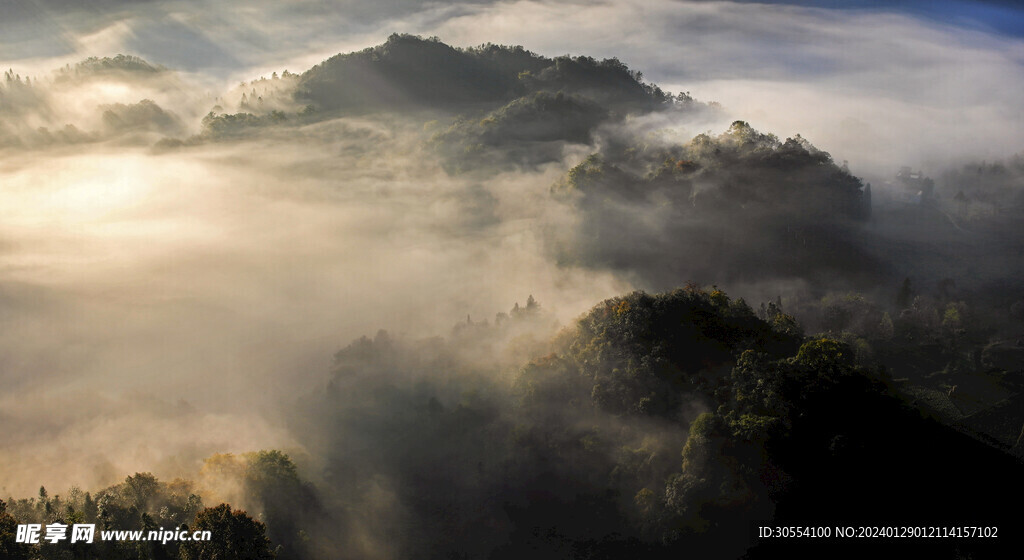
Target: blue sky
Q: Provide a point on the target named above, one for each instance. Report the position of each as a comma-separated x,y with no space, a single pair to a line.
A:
195,34
1003,17
41,27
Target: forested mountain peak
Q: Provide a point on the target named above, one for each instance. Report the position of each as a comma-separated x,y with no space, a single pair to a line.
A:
409,71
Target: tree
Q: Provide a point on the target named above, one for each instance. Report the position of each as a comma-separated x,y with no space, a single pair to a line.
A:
531,304
825,356
905,296
89,509
886,329
270,467
235,536
140,488
786,325
9,549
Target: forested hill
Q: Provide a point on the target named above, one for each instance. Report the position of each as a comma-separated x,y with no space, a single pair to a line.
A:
656,426
411,72
750,205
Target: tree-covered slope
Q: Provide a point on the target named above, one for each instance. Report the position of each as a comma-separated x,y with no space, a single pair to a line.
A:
656,425
738,206
410,72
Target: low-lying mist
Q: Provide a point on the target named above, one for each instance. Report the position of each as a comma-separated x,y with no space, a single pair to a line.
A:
214,274
219,279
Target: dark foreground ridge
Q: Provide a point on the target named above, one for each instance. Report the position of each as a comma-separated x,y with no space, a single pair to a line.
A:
656,425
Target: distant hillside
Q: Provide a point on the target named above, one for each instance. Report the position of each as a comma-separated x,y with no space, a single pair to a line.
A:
121,64
412,72
740,205
497,106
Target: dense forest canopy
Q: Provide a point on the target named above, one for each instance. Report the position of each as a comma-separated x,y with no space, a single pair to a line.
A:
657,423
409,72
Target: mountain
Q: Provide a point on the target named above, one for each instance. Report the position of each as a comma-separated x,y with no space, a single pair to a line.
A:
409,72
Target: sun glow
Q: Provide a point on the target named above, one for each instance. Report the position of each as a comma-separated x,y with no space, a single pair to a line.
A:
98,210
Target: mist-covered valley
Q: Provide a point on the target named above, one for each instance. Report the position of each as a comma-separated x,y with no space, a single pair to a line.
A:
424,300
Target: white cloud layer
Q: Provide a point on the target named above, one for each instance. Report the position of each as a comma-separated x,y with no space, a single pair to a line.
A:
872,86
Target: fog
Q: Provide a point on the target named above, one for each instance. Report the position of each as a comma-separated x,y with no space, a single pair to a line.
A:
225,276
875,86
178,279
